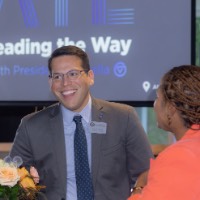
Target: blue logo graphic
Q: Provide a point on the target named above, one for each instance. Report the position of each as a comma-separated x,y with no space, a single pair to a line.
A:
31,16
120,69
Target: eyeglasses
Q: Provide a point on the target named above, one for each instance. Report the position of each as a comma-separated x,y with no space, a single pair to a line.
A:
72,75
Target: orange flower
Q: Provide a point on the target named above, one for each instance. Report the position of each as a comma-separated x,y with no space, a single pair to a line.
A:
23,173
25,180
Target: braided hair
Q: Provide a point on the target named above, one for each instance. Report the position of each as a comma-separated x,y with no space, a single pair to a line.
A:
181,86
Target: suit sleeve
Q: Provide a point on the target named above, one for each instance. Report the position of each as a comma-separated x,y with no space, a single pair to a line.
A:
137,147
21,145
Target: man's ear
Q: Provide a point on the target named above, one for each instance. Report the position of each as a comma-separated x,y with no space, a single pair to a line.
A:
91,76
92,82
50,82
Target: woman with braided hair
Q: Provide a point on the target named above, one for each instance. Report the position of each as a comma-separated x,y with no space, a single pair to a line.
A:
175,173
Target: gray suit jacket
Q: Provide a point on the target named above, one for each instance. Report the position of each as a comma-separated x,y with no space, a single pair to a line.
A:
117,156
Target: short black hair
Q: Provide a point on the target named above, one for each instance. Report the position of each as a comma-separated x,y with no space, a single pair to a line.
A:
70,50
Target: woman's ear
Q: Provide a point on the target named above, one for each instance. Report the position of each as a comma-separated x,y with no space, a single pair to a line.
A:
171,109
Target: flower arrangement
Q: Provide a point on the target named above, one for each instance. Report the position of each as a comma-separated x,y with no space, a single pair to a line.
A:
16,183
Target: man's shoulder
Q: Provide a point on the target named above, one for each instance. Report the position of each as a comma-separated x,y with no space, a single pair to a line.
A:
47,111
111,104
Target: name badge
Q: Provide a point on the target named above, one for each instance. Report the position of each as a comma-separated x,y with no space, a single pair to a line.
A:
98,127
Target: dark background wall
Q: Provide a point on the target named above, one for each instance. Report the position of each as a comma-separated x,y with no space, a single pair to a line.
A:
10,117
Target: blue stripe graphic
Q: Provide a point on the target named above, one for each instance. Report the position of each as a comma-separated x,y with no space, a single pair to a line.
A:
29,13
61,13
1,3
99,12
121,16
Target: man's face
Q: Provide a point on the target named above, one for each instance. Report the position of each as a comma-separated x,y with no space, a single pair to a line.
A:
73,94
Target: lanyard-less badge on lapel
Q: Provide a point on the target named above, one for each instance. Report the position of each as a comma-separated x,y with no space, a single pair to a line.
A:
98,127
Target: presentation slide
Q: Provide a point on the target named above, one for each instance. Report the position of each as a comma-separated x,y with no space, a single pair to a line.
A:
130,44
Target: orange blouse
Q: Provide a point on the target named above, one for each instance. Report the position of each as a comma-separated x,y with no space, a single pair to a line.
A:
175,174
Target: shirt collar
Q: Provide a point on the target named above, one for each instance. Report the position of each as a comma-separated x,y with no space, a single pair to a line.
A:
85,113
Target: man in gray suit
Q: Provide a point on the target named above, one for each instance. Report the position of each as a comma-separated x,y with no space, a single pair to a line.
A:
117,147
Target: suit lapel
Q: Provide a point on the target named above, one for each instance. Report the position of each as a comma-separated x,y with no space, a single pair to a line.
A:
97,115
57,132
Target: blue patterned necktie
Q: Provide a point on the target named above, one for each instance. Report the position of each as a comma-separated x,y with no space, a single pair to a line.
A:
82,170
